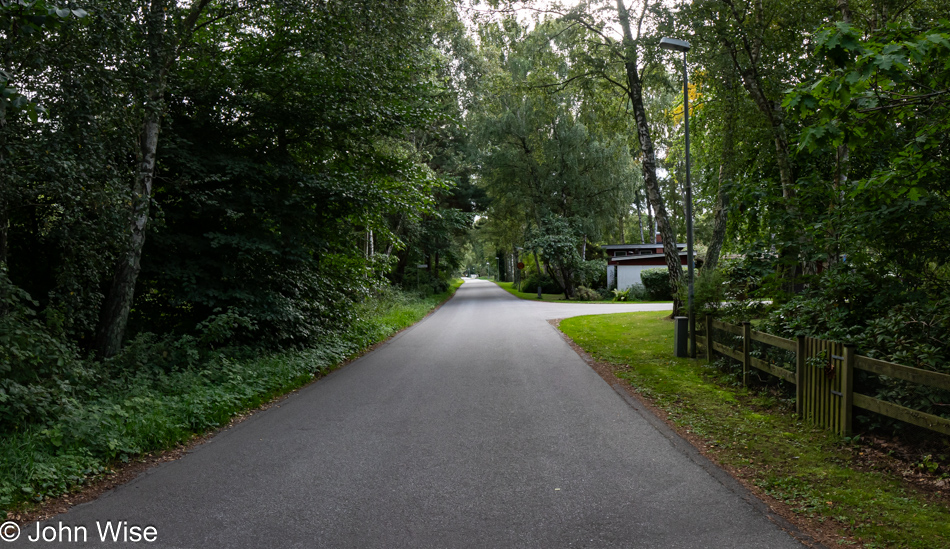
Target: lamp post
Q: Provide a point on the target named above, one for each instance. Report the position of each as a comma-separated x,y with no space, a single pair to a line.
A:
674,44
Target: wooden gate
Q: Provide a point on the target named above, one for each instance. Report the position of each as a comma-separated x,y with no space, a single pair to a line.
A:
823,375
826,379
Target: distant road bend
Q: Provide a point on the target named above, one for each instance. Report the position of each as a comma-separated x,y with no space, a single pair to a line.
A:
478,427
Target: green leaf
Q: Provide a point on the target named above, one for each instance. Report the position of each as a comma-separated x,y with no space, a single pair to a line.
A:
939,39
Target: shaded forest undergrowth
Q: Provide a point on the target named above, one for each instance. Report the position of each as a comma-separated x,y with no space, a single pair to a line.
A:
162,392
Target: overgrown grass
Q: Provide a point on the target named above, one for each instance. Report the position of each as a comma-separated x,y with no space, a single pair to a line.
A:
806,467
151,409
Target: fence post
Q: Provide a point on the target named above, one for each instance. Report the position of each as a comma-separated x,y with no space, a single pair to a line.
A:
847,388
746,351
800,376
709,340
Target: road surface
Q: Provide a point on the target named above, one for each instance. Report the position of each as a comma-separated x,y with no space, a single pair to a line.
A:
478,427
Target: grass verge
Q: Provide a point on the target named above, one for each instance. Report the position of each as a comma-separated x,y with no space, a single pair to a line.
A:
512,289
759,439
151,409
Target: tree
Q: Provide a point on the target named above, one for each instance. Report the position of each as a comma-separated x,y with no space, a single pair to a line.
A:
65,176
886,99
253,154
287,152
21,26
620,62
166,28
561,179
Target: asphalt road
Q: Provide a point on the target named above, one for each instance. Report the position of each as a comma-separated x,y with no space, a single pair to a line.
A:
478,427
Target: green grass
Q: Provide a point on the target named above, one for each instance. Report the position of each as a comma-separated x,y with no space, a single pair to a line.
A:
512,289
149,409
806,467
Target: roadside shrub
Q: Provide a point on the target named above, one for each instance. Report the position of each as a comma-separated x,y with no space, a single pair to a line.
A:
916,335
221,327
634,292
583,293
157,392
657,284
40,373
709,291
637,292
745,275
909,328
548,284
592,273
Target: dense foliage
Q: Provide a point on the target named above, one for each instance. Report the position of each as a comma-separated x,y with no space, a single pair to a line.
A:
193,176
819,165
179,178
157,393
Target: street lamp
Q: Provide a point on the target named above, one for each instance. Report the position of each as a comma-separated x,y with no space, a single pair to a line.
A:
673,44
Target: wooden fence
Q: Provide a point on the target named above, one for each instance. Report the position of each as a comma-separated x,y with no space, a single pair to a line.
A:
823,374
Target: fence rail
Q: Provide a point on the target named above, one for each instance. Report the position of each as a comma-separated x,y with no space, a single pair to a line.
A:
823,374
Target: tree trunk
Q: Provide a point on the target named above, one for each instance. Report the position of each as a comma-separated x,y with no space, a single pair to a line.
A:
726,174
368,248
118,302
648,156
4,208
752,82
4,228
842,167
163,51
845,10
560,276
395,233
640,222
4,216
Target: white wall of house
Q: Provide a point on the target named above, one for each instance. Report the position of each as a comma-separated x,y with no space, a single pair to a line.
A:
628,275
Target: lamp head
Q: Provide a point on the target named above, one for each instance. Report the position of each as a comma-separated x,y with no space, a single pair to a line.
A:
674,44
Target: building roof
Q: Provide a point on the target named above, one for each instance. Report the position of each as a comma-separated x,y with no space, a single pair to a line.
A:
636,246
632,258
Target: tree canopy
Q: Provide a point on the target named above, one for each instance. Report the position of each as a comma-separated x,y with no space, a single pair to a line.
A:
270,165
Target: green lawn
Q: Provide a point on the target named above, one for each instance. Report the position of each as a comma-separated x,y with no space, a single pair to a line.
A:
805,467
512,288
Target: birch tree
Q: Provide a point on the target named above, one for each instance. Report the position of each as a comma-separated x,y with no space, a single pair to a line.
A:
167,28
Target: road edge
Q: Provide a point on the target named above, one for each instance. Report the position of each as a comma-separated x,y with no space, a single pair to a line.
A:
685,445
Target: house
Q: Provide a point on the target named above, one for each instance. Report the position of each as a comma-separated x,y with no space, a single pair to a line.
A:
625,262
